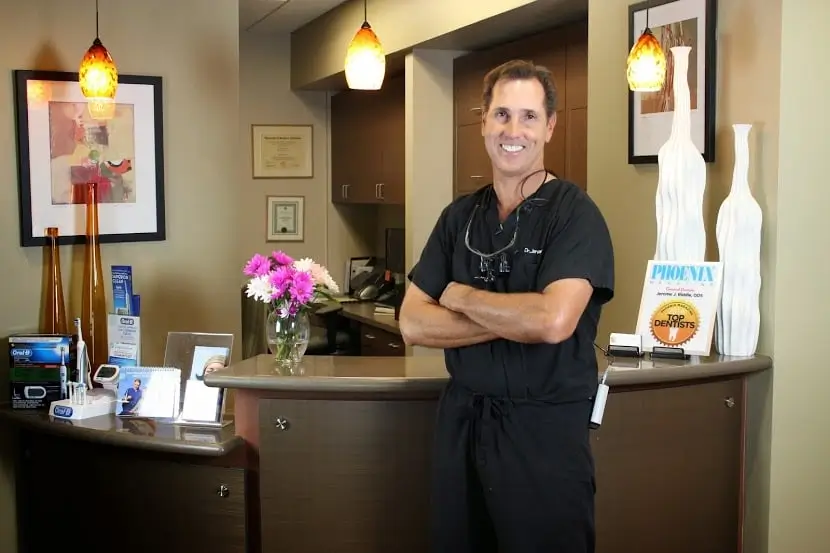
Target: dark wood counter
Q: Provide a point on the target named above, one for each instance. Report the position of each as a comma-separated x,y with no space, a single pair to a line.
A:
364,312
185,487
342,450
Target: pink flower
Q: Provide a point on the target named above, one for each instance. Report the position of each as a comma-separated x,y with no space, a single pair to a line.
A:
282,258
281,279
303,287
257,266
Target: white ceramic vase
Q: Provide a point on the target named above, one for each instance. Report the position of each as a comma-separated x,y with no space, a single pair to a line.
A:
738,233
681,235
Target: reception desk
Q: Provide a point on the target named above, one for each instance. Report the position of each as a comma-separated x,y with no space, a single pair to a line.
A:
335,457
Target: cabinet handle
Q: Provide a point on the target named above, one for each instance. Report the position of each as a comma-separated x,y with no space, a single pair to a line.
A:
369,336
223,491
380,191
346,191
393,345
475,109
729,402
476,176
282,424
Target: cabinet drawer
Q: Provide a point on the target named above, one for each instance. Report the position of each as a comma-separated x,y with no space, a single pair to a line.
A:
154,500
376,342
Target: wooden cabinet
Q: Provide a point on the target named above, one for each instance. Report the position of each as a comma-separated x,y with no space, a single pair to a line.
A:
126,500
345,476
564,51
377,342
668,470
368,145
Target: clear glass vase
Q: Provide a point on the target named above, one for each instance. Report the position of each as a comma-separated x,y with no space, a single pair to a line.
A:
287,338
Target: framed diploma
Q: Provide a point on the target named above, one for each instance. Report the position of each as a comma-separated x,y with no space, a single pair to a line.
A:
282,151
285,218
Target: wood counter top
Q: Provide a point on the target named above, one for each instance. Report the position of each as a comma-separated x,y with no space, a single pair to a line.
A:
145,434
365,313
427,373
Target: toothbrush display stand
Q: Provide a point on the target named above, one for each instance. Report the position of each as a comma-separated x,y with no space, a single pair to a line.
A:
95,403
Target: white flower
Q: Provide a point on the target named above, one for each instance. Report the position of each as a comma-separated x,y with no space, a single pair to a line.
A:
260,288
303,264
319,274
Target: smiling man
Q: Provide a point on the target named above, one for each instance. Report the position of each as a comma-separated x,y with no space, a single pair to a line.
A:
510,284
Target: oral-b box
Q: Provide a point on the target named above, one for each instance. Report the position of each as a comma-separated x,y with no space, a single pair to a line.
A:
122,289
34,367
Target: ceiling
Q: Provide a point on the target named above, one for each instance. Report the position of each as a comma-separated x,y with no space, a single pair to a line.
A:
280,16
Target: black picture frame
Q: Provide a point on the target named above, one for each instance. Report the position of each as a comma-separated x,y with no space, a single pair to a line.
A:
146,213
709,9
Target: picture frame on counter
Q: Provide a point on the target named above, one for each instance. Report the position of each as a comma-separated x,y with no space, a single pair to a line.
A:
675,23
282,151
285,219
63,144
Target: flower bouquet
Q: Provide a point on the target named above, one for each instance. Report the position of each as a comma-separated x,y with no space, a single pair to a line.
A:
289,288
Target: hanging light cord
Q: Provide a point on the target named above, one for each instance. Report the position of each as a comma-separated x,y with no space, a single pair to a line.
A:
365,11
97,33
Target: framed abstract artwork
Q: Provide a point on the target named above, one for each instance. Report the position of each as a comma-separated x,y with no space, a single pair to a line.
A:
675,23
285,219
61,148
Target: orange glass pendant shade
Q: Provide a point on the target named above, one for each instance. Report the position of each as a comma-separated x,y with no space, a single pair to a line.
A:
646,69
98,78
365,60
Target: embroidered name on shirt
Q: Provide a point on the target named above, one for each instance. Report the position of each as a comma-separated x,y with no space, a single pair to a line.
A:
533,251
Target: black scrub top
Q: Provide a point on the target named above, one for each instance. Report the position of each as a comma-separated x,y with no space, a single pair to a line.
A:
561,234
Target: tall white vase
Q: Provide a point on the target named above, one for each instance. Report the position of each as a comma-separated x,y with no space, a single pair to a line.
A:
681,235
738,233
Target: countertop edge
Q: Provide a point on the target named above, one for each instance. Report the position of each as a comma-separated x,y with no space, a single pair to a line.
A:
122,439
618,376
624,376
374,321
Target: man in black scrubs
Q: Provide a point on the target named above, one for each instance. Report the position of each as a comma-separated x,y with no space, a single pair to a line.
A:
510,284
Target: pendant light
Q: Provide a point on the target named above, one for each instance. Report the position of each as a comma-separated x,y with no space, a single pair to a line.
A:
98,77
646,69
365,60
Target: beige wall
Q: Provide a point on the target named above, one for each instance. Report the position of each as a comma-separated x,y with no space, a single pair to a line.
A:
266,98
799,490
187,282
763,83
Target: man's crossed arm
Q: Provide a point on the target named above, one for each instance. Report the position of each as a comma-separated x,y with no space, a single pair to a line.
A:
465,315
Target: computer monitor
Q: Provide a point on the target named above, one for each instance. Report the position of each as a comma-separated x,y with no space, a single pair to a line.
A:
395,250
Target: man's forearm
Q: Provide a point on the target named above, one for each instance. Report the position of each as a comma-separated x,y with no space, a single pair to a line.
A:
521,317
435,326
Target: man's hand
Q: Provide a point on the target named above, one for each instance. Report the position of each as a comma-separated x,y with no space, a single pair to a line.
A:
455,296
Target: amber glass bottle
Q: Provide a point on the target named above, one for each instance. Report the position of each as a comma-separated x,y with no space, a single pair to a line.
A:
94,301
54,310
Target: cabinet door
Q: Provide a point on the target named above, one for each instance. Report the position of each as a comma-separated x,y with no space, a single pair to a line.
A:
668,466
127,500
392,140
473,168
345,151
345,476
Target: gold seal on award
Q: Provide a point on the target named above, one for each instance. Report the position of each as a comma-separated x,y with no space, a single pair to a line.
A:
674,322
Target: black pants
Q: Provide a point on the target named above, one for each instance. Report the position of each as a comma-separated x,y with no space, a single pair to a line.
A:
511,476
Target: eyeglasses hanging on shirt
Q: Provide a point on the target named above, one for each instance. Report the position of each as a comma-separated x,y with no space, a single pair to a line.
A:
495,264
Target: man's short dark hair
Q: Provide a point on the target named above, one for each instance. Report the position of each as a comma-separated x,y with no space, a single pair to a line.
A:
520,70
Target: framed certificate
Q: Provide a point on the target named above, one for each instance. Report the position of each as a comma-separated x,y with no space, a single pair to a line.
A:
282,151
285,218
